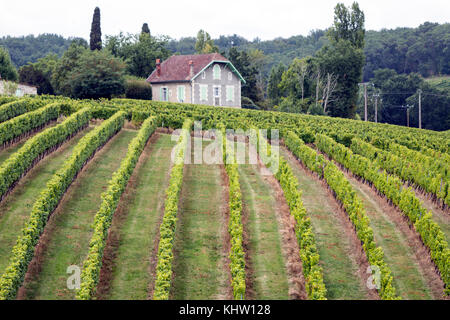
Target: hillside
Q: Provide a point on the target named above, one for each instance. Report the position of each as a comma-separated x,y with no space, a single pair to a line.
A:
141,214
406,50
31,48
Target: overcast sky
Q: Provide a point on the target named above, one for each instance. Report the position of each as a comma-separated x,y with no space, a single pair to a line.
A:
180,18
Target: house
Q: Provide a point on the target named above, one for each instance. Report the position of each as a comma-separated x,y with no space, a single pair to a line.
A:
17,89
208,79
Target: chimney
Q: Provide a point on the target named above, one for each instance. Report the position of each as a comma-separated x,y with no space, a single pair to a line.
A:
158,67
191,68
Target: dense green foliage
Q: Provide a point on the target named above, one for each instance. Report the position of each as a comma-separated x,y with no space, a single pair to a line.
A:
97,75
17,126
242,62
30,48
16,108
7,69
30,74
110,199
168,225
432,176
138,51
138,89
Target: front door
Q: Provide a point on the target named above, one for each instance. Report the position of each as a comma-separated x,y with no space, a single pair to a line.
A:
216,96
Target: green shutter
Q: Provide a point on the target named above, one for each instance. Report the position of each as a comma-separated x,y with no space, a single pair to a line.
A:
203,93
230,93
160,94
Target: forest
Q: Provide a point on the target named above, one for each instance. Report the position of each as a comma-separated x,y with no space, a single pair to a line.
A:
315,74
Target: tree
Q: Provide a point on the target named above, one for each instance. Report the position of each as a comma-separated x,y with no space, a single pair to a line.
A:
241,61
7,69
348,25
97,74
138,51
402,86
345,62
297,81
344,58
60,77
204,43
435,110
32,75
329,86
273,90
145,28
96,32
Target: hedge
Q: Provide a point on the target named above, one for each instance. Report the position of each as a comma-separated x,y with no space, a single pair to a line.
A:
168,225
353,206
22,124
404,198
110,200
48,200
18,164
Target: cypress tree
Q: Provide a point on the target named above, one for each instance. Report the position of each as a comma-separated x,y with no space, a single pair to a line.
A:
96,32
145,28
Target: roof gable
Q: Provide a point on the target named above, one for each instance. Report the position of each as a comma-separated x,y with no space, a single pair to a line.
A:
177,69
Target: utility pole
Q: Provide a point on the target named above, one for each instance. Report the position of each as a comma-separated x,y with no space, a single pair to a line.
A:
376,96
407,116
365,101
420,108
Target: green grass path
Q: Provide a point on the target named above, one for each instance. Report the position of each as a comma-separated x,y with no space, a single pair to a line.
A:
340,269
408,278
198,266
16,207
269,276
70,228
131,276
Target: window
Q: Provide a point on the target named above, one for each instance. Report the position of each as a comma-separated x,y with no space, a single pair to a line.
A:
216,91
164,94
216,94
230,93
203,92
203,75
230,76
181,94
216,71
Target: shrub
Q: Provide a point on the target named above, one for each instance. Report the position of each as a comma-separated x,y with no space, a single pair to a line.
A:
138,89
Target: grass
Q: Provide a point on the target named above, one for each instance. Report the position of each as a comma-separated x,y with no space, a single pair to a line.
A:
399,256
339,269
131,276
70,228
442,83
16,207
198,265
269,271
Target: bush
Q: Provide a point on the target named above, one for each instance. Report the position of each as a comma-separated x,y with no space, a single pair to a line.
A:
138,89
97,75
248,103
316,110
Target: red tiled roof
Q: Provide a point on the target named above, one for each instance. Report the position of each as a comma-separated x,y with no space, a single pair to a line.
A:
176,68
